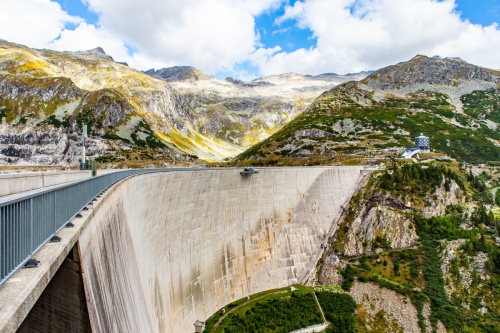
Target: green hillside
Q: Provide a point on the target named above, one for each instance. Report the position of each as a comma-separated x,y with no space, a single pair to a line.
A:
368,118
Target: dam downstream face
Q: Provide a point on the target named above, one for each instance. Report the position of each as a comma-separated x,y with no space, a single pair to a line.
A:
167,249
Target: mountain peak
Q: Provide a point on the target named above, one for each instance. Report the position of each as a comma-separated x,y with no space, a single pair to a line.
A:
178,73
97,50
429,70
97,53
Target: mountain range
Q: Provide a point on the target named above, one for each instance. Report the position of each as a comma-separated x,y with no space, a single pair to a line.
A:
181,114
454,103
416,248
173,114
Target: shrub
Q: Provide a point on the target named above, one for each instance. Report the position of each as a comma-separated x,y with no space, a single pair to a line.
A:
339,310
348,274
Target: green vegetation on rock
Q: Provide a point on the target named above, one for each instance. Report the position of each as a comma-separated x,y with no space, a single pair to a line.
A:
352,122
455,265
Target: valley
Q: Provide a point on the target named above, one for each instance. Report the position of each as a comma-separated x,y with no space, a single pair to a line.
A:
404,245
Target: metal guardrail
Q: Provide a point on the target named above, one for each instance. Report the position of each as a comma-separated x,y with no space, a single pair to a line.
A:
28,222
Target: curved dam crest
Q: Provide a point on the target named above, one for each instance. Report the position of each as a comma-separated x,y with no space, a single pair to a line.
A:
167,249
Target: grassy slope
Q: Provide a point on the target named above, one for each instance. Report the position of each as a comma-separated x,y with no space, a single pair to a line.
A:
392,122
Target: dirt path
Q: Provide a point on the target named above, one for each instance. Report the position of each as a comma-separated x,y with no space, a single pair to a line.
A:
214,329
320,308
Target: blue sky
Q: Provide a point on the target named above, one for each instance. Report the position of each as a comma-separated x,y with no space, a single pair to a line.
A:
287,35
78,8
483,12
290,37
247,39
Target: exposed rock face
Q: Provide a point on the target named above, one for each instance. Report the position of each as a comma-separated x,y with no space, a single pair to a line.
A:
330,271
422,69
384,310
44,90
315,133
31,145
106,107
94,54
244,113
178,73
348,126
375,221
464,280
248,84
442,198
381,215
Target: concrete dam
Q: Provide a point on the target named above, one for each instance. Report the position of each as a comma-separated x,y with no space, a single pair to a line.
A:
163,250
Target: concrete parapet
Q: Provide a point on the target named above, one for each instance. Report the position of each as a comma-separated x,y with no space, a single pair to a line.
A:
22,182
23,289
16,183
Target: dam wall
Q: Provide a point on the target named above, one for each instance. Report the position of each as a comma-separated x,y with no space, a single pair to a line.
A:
167,249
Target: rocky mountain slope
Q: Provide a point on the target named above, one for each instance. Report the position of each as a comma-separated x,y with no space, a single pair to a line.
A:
455,103
418,249
46,97
245,113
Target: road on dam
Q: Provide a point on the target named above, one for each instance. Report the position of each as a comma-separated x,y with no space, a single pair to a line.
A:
163,250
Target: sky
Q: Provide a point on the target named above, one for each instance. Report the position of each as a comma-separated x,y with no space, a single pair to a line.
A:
247,39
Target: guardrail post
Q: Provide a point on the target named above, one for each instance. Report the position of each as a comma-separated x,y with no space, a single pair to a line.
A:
31,226
55,212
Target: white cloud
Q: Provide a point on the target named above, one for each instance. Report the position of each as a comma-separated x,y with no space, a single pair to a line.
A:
355,35
32,22
218,35
280,31
291,12
87,36
210,34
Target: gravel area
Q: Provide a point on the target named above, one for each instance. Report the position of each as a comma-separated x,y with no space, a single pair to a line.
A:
373,299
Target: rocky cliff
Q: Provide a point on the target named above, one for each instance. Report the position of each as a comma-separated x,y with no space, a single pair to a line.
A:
418,250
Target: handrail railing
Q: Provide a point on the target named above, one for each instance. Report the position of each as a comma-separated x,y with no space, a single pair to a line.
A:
28,222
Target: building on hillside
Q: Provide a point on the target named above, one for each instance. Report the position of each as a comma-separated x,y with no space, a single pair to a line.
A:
423,143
